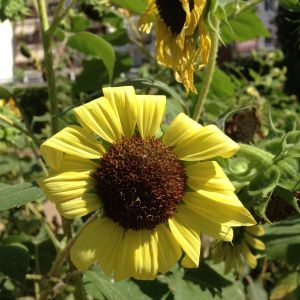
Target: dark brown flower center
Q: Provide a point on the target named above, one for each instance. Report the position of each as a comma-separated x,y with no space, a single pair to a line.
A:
140,183
173,14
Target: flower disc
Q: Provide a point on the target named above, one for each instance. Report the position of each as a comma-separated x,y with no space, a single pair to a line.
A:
140,182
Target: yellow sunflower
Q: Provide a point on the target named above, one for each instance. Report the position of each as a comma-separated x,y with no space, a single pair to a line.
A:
240,250
182,40
155,191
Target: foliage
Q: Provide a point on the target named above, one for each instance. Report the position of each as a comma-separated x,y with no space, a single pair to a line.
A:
247,99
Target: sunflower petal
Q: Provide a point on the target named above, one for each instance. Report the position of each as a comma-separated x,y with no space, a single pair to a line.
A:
79,207
224,208
168,250
187,238
100,117
256,230
253,242
150,112
124,101
208,176
249,257
182,129
205,143
71,140
137,256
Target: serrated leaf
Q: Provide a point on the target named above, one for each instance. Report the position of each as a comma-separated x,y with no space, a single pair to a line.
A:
15,195
94,46
282,240
14,261
137,6
264,182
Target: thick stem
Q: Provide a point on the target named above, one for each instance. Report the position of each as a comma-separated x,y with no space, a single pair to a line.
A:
48,61
210,67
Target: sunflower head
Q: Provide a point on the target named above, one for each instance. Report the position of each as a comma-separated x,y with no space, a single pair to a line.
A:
153,193
241,250
182,40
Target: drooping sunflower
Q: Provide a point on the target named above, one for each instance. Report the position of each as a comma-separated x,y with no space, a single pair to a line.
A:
182,40
153,191
240,250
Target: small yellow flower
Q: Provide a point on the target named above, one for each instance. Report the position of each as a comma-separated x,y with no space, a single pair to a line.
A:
182,40
240,250
154,192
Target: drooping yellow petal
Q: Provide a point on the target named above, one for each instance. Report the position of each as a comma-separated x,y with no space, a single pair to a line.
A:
205,143
182,129
207,176
249,257
137,256
109,237
100,117
253,242
201,223
83,251
150,113
256,230
125,103
187,238
169,251
224,208
87,203
71,140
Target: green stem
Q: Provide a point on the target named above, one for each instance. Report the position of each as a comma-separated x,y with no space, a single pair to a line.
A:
48,61
210,67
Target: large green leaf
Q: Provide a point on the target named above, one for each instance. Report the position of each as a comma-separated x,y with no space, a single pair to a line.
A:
245,26
137,6
16,195
14,261
94,46
282,240
101,287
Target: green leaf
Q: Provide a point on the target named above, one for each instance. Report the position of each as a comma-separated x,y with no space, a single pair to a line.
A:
264,182
95,46
15,195
291,5
245,26
79,22
256,291
282,240
14,261
289,173
4,93
137,6
101,287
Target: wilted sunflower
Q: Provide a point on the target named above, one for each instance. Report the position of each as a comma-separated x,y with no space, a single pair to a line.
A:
240,250
153,196
182,40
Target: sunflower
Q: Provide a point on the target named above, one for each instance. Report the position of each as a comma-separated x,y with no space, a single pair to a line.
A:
182,40
244,243
153,191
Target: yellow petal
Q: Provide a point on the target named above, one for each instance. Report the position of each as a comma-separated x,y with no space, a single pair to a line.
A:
249,257
137,256
256,230
100,117
207,176
205,143
81,206
150,112
168,250
187,238
253,242
71,140
182,129
83,250
125,103
224,208
202,224
109,237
